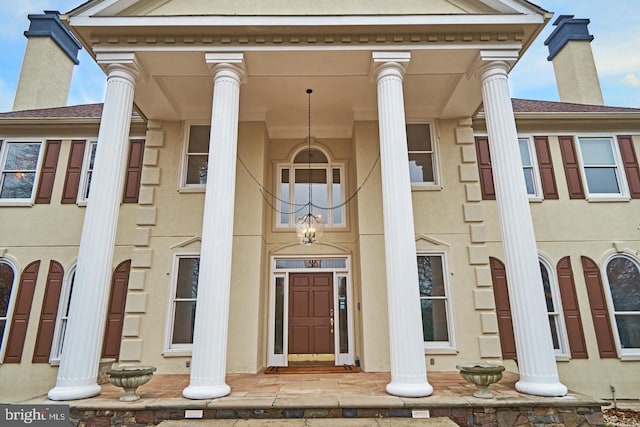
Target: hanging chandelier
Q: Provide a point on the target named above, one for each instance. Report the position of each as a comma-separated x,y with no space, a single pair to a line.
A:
309,227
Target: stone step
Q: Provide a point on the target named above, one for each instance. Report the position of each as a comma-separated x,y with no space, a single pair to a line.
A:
314,422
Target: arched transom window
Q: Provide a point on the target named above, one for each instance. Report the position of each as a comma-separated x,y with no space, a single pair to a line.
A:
623,275
311,168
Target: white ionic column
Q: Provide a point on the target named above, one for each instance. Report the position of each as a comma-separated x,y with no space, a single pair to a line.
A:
536,358
408,368
85,329
209,355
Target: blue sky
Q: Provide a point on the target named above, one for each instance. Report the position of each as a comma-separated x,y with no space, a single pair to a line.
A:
614,23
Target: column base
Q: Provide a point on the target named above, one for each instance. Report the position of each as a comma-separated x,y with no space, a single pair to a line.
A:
542,389
400,389
206,392
74,392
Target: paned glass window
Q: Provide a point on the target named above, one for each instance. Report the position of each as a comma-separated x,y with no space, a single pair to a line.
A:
623,275
434,300
18,167
422,155
601,166
311,169
529,167
183,304
87,170
554,310
7,279
196,156
63,316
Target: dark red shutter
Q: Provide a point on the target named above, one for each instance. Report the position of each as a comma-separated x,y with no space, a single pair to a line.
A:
20,320
571,167
630,163
599,309
545,166
503,308
484,167
48,172
49,313
74,172
134,172
115,313
571,309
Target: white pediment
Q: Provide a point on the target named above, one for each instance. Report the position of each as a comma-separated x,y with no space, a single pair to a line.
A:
299,7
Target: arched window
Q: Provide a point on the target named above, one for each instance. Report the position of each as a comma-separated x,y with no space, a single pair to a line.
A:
7,282
623,276
63,316
311,167
554,309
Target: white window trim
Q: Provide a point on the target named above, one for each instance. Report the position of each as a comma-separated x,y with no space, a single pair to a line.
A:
84,178
538,194
36,180
171,350
563,352
442,347
12,302
63,304
437,184
183,187
624,353
620,172
329,166
340,358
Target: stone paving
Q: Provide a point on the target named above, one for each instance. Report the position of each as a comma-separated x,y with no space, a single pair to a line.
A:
319,400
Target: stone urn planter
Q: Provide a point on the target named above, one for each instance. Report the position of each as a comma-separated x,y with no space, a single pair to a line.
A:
130,378
482,375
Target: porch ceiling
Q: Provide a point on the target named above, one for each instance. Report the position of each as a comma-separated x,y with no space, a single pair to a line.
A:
177,85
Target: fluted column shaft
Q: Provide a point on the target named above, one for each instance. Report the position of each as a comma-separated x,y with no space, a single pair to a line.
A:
408,368
209,354
85,329
534,346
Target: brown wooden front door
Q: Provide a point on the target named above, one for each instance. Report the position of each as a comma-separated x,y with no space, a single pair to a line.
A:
311,313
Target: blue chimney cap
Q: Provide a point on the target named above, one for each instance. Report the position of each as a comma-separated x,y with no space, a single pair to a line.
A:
567,28
50,25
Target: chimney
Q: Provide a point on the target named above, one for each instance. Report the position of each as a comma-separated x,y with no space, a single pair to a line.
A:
48,63
570,52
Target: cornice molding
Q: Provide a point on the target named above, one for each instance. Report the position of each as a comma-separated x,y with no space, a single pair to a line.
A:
320,39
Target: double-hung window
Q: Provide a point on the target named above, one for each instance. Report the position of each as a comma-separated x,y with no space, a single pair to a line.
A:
7,285
602,170
184,290
311,169
62,320
554,310
530,168
435,301
19,164
422,154
87,170
196,157
623,275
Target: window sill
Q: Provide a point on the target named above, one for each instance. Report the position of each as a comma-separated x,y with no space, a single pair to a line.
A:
562,358
536,199
611,198
425,187
16,203
630,358
177,353
440,350
199,189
